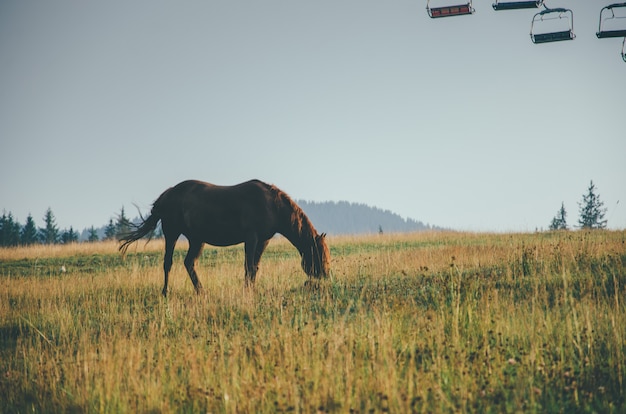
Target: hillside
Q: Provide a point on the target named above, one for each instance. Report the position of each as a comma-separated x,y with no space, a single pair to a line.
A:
352,218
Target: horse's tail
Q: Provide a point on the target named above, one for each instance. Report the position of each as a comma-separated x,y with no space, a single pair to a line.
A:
146,227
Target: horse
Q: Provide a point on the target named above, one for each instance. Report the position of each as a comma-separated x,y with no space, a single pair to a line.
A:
251,213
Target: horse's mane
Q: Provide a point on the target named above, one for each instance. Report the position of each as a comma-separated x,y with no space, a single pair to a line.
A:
299,221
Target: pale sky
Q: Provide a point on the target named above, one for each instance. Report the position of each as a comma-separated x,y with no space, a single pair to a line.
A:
460,122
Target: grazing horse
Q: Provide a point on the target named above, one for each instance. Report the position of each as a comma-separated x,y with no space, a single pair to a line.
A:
250,213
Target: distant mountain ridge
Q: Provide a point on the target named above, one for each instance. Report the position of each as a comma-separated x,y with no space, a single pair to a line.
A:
343,217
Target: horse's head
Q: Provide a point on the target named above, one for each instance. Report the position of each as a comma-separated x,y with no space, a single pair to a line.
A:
316,260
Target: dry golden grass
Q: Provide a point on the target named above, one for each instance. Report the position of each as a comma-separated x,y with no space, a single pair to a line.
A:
434,322
56,250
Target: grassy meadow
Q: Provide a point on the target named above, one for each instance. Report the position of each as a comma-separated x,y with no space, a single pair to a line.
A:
427,322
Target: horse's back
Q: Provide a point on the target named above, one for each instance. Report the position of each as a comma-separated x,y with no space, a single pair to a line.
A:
194,206
197,186
199,194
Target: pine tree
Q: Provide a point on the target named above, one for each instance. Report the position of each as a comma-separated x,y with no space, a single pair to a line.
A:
3,229
69,236
110,230
591,210
50,233
123,223
93,235
559,221
9,230
29,232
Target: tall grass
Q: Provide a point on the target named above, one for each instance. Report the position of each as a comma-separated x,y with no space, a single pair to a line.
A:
435,322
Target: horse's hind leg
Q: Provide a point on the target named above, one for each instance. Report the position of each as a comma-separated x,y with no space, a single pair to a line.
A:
249,264
195,248
170,242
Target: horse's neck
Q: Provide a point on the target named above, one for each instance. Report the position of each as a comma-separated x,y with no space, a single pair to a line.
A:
300,236
296,225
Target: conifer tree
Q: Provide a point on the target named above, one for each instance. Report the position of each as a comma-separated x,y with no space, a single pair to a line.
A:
559,221
93,235
69,236
110,230
9,230
50,233
28,235
591,210
123,223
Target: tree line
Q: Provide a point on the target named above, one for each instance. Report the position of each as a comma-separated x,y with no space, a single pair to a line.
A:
12,233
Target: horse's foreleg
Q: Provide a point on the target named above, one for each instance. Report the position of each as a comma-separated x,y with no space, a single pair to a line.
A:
260,248
195,248
254,250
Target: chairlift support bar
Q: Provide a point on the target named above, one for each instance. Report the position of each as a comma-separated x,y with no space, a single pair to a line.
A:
517,5
624,50
603,34
552,36
448,11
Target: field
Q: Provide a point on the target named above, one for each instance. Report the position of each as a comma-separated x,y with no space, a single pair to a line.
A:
428,322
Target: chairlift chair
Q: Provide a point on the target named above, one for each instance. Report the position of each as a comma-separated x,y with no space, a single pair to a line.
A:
551,14
447,11
603,33
516,5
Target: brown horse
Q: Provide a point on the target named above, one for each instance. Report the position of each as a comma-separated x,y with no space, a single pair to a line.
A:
250,213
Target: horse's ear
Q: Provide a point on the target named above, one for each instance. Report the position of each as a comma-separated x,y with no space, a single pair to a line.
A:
323,235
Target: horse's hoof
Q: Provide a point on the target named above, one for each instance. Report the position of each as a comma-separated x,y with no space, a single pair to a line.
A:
312,284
